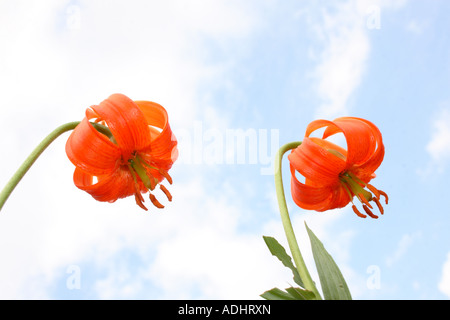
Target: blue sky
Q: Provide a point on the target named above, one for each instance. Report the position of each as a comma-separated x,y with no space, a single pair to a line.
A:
259,70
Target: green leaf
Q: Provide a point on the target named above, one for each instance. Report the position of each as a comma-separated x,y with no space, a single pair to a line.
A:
278,251
290,294
277,294
333,283
301,294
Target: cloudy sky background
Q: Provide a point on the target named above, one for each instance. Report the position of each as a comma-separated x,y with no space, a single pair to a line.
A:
264,69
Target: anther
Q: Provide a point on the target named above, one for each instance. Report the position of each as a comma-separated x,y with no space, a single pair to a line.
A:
359,214
152,182
166,192
384,195
374,190
155,202
380,207
367,210
140,200
137,195
378,192
166,175
363,199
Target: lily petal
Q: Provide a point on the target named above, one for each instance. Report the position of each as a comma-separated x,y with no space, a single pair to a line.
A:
132,158
317,162
333,175
163,141
92,151
308,197
126,122
365,170
317,198
109,188
361,142
318,124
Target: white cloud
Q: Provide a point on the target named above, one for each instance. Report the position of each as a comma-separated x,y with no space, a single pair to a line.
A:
402,248
444,283
196,251
51,71
342,57
416,27
54,68
439,145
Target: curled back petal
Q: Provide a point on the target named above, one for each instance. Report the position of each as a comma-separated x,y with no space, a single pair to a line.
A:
308,197
318,160
317,198
126,122
318,124
366,169
361,142
163,141
108,188
92,151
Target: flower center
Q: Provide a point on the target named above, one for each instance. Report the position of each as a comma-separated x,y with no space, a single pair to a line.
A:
356,187
139,168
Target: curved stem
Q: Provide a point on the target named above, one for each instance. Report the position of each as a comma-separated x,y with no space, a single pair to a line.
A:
26,165
15,179
287,225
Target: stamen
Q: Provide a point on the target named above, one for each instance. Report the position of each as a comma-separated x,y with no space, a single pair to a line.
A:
153,183
367,210
355,186
384,195
379,205
137,194
374,190
359,214
363,199
166,192
140,168
140,200
155,202
378,192
354,177
166,175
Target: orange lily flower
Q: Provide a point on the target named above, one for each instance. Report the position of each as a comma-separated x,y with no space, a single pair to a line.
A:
132,157
333,175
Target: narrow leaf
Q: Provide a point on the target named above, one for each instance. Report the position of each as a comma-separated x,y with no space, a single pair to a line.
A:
277,250
301,294
333,283
290,294
277,294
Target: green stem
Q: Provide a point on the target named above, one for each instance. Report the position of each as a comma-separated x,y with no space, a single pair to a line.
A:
287,225
26,165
